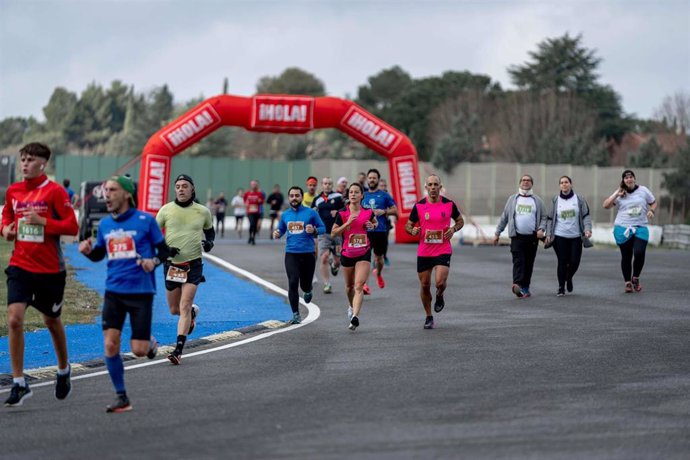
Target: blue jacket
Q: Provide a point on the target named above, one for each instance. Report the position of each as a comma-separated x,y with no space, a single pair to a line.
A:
294,223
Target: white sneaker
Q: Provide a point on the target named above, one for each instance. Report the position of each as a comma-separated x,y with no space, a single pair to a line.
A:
327,288
349,312
195,313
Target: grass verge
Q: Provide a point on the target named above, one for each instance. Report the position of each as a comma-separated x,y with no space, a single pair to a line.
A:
82,304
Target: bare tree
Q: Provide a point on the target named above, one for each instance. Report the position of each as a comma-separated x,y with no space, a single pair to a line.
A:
674,112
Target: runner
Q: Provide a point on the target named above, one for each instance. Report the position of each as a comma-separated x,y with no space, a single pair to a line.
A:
327,204
569,224
135,247
383,185
239,210
301,225
433,214
525,215
309,195
341,186
636,205
253,199
354,224
37,211
220,204
275,201
382,204
189,228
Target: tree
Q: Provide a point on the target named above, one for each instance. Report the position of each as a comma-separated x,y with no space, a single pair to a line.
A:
12,131
463,143
60,110
677,182
674,112
650,155
160,107
383,89
293,80
560,64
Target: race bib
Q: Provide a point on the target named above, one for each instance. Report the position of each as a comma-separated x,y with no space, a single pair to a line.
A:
176,274
121,247
433,236
635,211
295,228
524,209
253,208
30,233
357,240
567,214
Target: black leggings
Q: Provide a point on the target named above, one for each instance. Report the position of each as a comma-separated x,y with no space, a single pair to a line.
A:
524,250
569,253
300,273
253,221
635,248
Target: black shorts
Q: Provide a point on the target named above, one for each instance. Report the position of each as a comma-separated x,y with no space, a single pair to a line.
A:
43,291
273,213
195,274
140,309
352,261
427,263
239,218
379,242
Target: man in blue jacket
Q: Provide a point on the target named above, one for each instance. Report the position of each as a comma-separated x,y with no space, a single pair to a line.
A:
302,226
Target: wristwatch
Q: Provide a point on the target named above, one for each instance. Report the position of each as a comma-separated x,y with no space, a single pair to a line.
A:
156,260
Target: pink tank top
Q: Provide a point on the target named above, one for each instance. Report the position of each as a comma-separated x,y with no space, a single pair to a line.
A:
355,240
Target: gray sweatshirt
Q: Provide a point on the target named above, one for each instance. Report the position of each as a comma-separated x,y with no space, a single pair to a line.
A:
508,216
584,216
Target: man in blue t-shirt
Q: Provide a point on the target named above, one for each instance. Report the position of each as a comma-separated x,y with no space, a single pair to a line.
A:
383,206
302,226
135,246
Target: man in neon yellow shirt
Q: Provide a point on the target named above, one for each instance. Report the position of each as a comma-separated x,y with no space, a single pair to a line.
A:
189,228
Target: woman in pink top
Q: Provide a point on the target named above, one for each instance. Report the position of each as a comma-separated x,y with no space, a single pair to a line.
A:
430,218
353,222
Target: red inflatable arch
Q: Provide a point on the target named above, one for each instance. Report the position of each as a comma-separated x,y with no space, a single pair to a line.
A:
281,114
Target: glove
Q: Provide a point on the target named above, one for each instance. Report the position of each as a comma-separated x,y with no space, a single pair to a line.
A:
207,245
174,251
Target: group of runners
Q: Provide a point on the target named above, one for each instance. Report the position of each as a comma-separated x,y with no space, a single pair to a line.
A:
342,228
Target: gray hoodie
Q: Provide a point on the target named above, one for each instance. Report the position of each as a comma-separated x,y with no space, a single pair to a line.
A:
508,216
584,216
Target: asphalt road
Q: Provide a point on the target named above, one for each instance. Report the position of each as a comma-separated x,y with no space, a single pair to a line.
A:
596,374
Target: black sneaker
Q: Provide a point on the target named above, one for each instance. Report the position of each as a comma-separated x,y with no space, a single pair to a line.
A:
175,357
561,292
63,385
636,284
439,304
334,269
354,323
121,404
18,394
153,348
192,324
569,285
308,296
429,322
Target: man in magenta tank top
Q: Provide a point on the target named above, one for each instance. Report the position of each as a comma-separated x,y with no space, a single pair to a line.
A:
430,219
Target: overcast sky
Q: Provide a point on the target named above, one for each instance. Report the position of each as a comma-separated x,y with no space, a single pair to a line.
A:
193,45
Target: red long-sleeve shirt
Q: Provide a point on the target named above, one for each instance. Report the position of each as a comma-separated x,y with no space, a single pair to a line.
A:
49,200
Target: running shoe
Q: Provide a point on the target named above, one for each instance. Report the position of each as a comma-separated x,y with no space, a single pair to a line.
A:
349,312
439,304
636,284
628,287
121,404
334,269
18,394
561,292
195,313
525,293
153,348
366,289
175,357
380,281
327,288
308,296
354,323
296,318
63,385
517,290
429,322
569,285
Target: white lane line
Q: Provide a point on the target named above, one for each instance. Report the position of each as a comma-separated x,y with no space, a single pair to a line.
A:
313,315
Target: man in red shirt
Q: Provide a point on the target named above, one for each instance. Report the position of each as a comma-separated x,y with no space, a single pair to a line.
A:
253,199
37,211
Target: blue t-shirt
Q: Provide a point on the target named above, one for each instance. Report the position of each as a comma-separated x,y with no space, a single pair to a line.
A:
378,200
130,236
294,223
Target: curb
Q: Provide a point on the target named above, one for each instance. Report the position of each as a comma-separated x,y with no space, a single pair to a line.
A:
48,373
